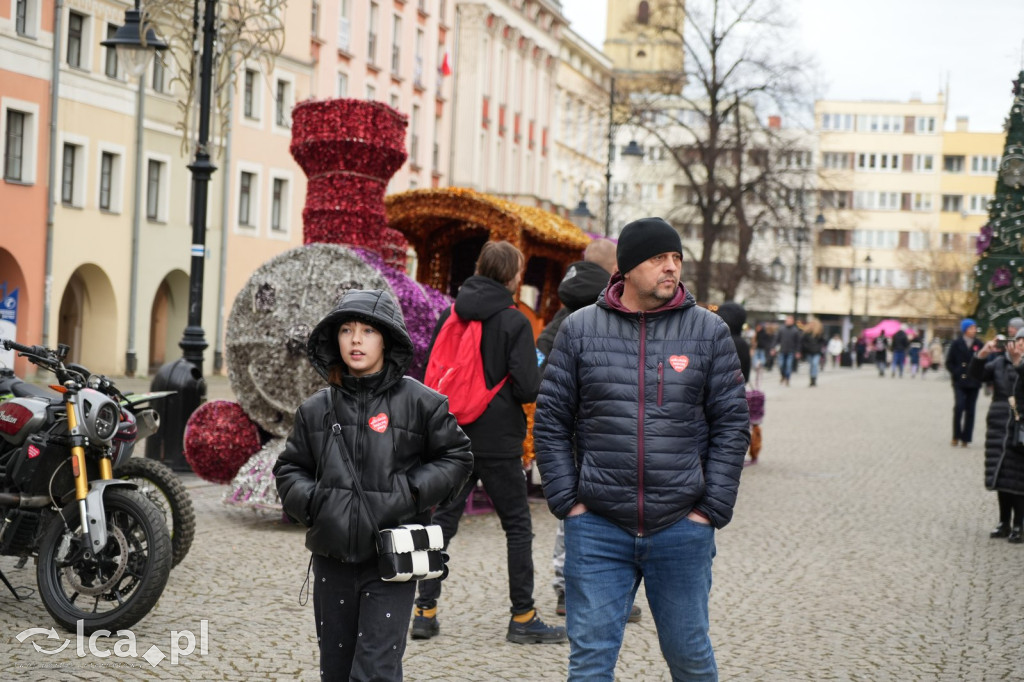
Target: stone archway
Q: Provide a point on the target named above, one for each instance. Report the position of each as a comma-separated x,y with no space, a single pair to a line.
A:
87,319
167,319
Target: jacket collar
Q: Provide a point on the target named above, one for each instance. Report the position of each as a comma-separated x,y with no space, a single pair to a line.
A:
611,298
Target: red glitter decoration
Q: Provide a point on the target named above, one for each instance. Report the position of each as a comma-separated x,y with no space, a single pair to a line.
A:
219,439
349,149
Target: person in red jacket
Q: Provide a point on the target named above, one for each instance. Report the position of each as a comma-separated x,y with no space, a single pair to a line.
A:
507,350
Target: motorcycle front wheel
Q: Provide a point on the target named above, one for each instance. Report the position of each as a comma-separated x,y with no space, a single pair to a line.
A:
165,490
116,587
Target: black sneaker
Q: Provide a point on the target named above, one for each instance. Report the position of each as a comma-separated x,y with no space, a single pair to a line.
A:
560,606
425,627
534,631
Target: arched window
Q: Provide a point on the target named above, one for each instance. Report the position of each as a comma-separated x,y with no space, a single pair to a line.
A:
643,13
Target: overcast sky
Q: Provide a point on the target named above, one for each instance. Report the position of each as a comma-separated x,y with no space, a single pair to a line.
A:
897,49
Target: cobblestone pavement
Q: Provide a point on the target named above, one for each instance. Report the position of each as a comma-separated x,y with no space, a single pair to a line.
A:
859,551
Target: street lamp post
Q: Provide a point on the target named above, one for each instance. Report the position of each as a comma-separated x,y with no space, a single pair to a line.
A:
184,377
803,235
134,48
632,150
867,285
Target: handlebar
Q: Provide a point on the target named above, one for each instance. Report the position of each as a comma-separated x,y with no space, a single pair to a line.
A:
35,351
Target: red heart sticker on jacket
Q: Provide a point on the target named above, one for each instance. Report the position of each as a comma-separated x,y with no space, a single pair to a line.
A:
379,423
679,362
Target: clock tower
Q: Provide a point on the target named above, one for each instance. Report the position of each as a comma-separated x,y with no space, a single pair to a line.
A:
644,42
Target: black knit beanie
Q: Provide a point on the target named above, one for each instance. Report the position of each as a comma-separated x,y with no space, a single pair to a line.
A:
643,239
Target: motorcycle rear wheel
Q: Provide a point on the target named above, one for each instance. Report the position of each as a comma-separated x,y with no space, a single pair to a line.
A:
118,586
165,490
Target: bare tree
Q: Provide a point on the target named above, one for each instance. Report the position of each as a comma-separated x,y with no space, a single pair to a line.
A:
247,30
712,114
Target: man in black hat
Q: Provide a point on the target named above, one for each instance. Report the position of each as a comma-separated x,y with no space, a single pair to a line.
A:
640,433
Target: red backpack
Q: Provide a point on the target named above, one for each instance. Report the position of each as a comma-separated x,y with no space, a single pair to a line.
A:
456,369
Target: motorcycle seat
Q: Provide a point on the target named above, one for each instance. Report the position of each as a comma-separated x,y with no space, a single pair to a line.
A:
24,389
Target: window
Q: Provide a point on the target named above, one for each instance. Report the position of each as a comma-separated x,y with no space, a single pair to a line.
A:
154,179
918,241
952,202
837,122
836,160
106,179
344,27
110,58
249,99
643,13
282,98
279,206
67,185
314,21
159,73
414,136
245,199
371,92
21,19
878,162
76,28
985,165
435,157
396,41
371,42
925,124
924,163
922,201
953,164
393,100
978,203
342,85
14,146
417,75
879,124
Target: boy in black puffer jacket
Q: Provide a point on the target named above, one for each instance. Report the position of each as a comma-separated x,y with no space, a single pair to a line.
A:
409,454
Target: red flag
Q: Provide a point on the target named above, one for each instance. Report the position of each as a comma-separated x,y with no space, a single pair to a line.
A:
446,67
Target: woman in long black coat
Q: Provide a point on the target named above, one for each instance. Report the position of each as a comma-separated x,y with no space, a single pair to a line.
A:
1004,456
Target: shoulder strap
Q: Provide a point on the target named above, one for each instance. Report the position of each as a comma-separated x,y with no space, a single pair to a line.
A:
339,438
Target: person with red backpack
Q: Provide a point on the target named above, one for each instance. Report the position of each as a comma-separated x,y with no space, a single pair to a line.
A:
485,309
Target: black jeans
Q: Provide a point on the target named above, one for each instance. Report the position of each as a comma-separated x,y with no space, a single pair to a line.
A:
505,483
963,413
361,621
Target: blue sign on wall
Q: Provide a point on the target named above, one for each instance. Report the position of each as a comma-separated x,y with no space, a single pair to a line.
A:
8,321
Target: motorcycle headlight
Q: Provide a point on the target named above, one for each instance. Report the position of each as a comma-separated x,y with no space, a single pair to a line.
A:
102,415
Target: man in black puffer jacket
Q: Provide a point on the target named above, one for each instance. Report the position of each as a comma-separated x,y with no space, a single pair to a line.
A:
506,346
647,385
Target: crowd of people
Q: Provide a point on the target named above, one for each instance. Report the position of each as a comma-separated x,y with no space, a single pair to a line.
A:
640,433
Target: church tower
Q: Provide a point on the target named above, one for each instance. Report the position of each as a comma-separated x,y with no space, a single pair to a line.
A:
640,52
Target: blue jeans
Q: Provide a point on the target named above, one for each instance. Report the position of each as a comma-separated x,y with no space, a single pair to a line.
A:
604,565
815,364
760,357
899,357
786,364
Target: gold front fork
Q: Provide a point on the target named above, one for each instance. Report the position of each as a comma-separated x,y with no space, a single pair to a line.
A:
78,456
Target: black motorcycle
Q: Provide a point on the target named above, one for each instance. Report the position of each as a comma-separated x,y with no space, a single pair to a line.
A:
102,549
154,479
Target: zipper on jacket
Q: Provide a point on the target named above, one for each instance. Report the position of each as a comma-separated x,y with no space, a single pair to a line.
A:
640,430
661,381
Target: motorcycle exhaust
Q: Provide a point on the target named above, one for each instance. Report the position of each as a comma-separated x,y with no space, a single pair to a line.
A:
18,500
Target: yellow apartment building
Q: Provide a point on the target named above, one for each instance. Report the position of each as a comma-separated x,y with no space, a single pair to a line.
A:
880,194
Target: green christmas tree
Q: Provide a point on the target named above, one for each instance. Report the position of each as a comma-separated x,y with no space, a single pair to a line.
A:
999,273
